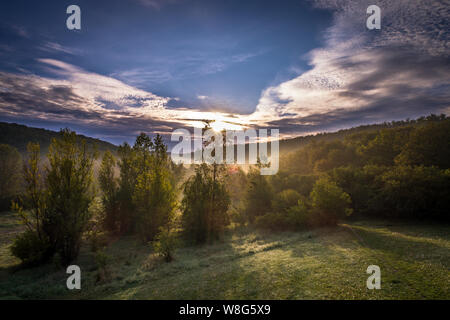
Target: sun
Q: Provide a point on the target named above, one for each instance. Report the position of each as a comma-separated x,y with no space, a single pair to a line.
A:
219,126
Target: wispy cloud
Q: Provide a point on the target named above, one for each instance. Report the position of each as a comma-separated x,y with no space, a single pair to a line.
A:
181,67
360,76
50,46
158,4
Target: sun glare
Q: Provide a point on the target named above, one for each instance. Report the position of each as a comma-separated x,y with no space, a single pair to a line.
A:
220,125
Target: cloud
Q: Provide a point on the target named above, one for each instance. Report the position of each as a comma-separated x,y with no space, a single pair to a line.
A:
157,4
50,46
92,101
179,66
363,76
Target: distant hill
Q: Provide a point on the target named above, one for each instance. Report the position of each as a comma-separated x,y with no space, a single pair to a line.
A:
289,145
19,136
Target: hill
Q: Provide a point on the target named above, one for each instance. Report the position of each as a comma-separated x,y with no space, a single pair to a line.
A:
19,136
289,145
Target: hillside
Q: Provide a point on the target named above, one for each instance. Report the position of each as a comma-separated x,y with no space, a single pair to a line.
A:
19,136
289,145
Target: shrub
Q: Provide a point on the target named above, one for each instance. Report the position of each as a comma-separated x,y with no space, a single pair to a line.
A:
10,163
285,200
296,217
29,248
102,261
165,243
329,203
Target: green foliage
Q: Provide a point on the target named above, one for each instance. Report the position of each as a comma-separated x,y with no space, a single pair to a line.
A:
10,162
283,180
328,155
428,145
102,261
109,187
165,243
127,182
363,185
205,204
329,203
95,233
285,200
154,196
415,192
30,248
384,147
296,217
258,196
69,179
33,246
19,136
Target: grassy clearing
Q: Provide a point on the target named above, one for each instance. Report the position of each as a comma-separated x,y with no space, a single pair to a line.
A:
328,263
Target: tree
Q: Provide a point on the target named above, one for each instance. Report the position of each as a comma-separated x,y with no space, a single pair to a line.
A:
428,145
415,192
33,245
259,194
205,204
10,162
329,202
109,187
154,196
69,183
127,182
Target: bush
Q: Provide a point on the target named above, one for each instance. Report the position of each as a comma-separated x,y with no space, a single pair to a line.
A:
102,261
295,217
237,215
29,248
165,243
10,165
272,221
285,200
298,216
329,203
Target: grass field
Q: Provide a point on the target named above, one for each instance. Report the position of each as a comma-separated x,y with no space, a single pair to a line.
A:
328,263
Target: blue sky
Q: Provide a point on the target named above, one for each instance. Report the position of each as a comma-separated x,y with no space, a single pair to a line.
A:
147,65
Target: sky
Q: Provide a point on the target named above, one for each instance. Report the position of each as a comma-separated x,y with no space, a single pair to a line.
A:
155,65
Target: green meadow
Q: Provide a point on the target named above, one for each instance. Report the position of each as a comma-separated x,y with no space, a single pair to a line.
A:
324,263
